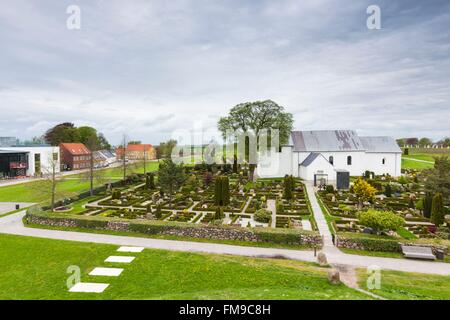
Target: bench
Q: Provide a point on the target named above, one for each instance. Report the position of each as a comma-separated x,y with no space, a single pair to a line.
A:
417,252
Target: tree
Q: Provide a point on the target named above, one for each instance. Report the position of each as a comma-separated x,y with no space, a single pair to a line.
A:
63,132
221,191
263,215
388,190
164,150
150,180
423,142
412,141
253,117
218,191
380,220
51,178
170,177
225,191
287,194
363,191
437,179
437,210
103,143
401,142
426,204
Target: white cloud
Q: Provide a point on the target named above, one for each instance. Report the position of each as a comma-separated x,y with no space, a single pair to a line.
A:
147,68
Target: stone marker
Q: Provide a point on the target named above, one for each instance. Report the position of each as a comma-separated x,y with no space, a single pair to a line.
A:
333,276
89,287
322,259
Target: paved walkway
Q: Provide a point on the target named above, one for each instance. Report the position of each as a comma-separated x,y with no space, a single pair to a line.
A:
322,225
12,224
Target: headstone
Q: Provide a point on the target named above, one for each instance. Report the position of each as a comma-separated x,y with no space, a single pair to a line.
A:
322,259
333,276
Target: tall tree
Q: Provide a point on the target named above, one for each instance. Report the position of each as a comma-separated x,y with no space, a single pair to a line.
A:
363,191
423,142
253,117
437,210
437,179
170,177
51,178
63,132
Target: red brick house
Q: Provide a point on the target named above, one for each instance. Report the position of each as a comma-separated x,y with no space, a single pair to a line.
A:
74,156
136,152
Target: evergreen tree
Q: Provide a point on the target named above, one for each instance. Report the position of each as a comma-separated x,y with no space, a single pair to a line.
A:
427,202
437,210
287,188
388,191
218,191
225,191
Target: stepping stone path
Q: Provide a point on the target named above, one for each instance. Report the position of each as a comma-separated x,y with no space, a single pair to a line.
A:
119,259
107,272
89,287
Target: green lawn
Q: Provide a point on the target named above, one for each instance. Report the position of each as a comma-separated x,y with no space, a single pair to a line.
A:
409,286
34,268
73,184
411,164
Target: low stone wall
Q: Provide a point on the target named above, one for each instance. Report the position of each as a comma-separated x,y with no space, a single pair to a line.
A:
152,227
381,245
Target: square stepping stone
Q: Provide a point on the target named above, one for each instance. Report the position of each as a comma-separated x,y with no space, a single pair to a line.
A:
108,272
119,259
130,249
89,287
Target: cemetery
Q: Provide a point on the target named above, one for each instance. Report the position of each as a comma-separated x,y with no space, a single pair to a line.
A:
205,196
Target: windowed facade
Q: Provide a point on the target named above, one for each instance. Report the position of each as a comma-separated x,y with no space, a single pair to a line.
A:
331,160
349,160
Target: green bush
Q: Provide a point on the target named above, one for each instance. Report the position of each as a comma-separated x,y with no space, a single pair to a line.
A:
380,220
263,215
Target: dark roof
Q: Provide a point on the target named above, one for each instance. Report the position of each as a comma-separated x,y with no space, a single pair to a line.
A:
326,140
380,144
310,159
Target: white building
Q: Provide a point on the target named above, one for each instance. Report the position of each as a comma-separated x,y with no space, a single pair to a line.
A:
40,158
322,155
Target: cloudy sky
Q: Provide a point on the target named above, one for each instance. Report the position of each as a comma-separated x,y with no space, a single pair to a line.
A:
146,68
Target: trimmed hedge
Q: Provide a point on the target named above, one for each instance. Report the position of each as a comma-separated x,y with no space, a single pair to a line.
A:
156,227
368,243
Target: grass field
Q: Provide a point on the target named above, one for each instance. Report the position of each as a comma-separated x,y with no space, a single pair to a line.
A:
71,185
410,286
411,164
34,268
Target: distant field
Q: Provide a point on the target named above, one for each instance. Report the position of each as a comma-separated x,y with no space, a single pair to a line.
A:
411,164
408,162
72,184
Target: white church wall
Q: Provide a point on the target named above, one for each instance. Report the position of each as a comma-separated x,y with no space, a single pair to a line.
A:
319,165
275,164
391,165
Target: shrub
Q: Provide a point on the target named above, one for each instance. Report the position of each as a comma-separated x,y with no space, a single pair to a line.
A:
427,203
437,210
329,189
380,220
116,194
388,190
263,215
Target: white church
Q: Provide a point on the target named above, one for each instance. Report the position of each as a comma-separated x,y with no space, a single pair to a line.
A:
330,156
